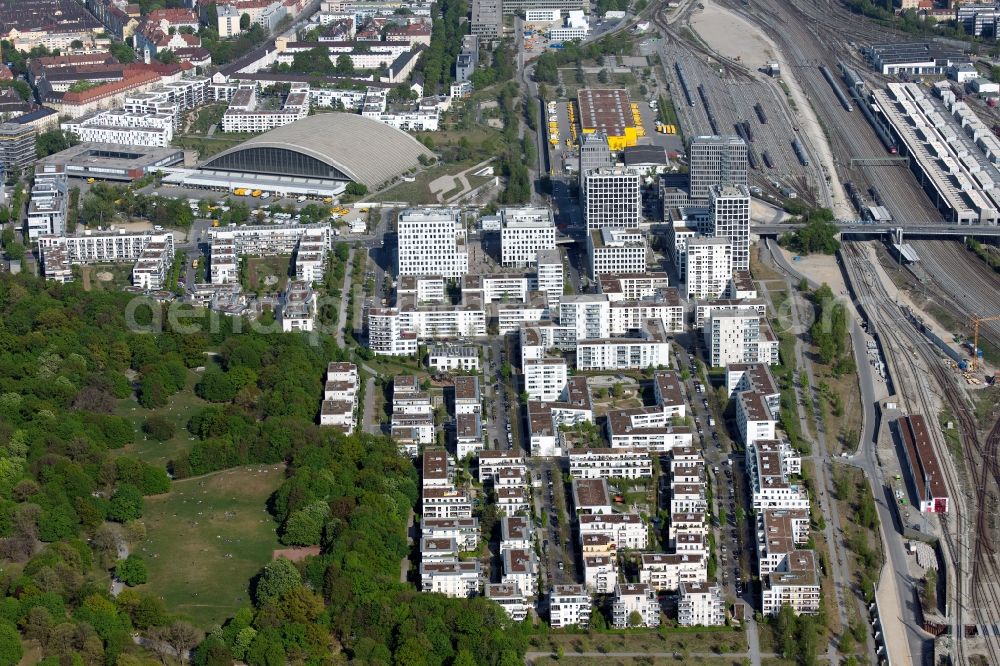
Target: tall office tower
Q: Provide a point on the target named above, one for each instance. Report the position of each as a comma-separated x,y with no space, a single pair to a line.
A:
432,242
594,153
729,215
612,198
487,19
17,145
524,231
716,160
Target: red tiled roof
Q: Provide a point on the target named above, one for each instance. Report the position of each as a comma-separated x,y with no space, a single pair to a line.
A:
97,92
174,15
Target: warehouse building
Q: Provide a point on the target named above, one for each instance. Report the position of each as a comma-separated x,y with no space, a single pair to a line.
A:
922,464
609,111
316,156
956,172
108,161
913,58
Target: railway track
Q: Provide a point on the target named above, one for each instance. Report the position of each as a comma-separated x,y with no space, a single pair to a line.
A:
803,33
903,345
970,284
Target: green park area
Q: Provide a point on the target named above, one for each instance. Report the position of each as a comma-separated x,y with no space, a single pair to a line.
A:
207,538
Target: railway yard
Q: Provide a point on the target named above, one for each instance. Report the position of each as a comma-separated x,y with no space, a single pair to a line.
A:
715,94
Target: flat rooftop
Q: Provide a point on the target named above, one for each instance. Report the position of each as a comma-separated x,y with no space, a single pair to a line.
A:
608,111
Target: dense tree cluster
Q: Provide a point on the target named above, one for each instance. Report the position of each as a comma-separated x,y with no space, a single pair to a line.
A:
64,360
818,235
829,330
548,64
352,496
446,43
68,499
53,141
104,202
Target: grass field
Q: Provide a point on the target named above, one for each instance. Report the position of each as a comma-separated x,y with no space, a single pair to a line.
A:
262,272
720,641
178,409
207,538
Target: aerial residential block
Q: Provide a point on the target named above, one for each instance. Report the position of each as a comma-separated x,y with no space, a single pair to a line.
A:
729,213
709,266
569,605
700,604
432,242
716,160
616,250
635,601
523,232
612,198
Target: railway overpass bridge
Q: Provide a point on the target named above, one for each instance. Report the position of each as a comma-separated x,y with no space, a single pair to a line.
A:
860,229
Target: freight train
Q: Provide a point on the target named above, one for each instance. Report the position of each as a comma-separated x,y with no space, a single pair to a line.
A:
684,83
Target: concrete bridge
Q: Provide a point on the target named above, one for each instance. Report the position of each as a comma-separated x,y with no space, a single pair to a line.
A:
860,229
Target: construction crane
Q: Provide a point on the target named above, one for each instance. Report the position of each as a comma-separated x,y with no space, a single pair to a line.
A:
976,321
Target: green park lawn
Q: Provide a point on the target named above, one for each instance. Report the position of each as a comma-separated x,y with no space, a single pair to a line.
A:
207,538
178,409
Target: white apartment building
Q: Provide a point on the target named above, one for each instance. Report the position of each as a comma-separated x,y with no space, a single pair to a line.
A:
454,578
796,585
625,530
150,269
729,215
628,316
545,379
468,435
667,571
739,336
49,203
770,463
386,336
516,532
520,569
651,349
438,549
246,115
704,309
637,598
100,247
569,605
464,530
574,26
604,463
612,197
600,573
298,307
340,396
754,417
668,394
633,286
549,276
709,266
700,605
445,503
445,358
441,322
436,469
123,127
425,289
688,498
492,462
753,377
716,160
432,242
511,600
778,533
523,232
588,315
647,428
467,396
616,250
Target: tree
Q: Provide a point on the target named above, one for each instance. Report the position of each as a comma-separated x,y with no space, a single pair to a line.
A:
345,66
159,427
635,619
131,570
244,22
277,578
181,636
126,504
10,645
53,141
357,189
